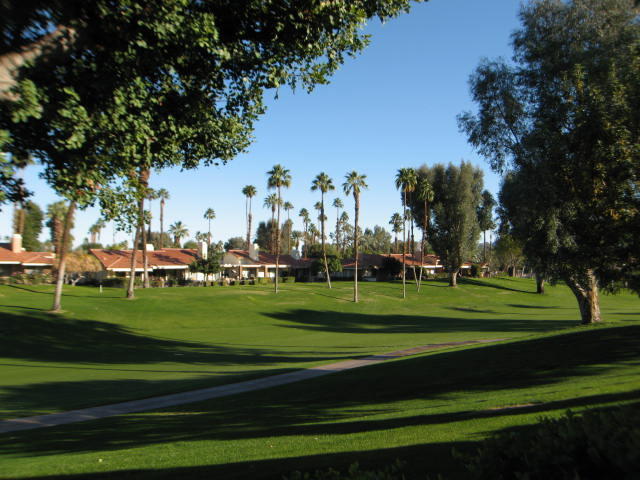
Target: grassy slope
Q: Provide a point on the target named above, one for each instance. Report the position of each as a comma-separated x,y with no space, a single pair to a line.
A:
106,349
415,409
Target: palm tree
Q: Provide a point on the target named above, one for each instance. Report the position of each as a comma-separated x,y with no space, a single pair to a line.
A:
406,180
151,195
354,183
344,225
314,232
337,203
396,227
425,193
163,195
323,183
296,236
271,201
304,214
210,214
179,231
288,206
279,177
249,191
56,213
95,229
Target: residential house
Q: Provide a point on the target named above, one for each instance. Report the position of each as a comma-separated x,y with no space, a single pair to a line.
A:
14,259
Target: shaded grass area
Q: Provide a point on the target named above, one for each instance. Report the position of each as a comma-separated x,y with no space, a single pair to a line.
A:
106,349
416,409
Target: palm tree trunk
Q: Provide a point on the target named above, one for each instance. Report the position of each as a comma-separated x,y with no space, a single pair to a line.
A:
248,220
324,250
62,264
136,238
162,223
404,244
355,248
278,245
484,246
145,260
424,236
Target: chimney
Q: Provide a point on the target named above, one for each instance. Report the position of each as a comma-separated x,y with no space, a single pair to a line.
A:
203,250
254,252
150,247
16,243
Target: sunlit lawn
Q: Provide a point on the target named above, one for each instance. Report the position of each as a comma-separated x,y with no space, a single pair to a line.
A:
104,348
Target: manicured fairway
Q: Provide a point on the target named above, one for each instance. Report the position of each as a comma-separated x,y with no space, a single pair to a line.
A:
105,349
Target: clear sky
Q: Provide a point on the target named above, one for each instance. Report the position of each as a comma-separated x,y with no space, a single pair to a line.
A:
393,106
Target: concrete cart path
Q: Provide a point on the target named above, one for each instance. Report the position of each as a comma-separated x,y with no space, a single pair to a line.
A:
164,401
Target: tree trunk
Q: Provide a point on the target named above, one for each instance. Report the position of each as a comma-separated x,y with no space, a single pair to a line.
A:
161,224
484,246
453,277
355,248
586,292
62,264
324,250
404,244
539,283
145,260
278,244
132,274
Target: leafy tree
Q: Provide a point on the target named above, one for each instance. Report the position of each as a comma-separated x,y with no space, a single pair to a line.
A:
33,218
333,262
264,234
390,267
354,184
508,251
455,230
249,191
376,241
235,243
485,219
563,116
288,206
406,180
323,183
190,244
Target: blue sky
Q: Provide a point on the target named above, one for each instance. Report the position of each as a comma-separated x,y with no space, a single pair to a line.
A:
393,106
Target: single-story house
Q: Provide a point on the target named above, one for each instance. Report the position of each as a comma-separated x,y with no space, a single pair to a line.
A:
14,259
253,263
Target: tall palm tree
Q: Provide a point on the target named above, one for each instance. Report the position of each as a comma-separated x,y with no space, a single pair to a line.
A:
271,201
288,206
314,233
406,180
396,227
306,219
296,236
178,230
56,213
209,214
323,183
424,193
354,184
337,203
151,196
249,191
279,178
95,229
163,195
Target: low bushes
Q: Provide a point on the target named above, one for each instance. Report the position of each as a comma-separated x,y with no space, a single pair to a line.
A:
597,445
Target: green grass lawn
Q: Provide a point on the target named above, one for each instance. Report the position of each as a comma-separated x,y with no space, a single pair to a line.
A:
105,349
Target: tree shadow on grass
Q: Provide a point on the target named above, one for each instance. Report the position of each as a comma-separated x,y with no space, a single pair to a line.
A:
51,338
537,307
346,322
345,403
480,283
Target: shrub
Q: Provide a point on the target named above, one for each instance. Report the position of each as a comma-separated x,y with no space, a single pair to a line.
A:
595,445
115,282
391,472
475,270
289,279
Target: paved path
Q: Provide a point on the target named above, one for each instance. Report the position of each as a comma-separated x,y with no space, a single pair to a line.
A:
154,403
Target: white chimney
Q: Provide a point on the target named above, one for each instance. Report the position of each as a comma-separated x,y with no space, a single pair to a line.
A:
203,250
149,247
254,252
16,243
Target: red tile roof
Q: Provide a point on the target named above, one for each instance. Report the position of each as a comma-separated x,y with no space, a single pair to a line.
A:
26,258
375,260
267,259
166,257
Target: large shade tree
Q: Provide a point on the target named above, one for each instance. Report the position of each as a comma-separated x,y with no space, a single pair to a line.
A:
105,89
563,116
